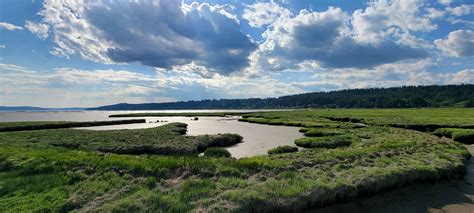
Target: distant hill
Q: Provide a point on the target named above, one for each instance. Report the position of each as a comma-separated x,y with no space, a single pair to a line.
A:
30,108
19,108
395,97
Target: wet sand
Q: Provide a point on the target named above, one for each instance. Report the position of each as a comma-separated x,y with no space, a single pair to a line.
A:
444,196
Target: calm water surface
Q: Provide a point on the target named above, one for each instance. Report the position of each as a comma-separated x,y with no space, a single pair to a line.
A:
258,139
442,196
6,116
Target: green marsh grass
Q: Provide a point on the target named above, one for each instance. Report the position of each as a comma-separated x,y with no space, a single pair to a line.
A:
282,149
38,174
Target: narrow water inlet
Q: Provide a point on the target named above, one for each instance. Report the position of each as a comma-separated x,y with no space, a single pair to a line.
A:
443,196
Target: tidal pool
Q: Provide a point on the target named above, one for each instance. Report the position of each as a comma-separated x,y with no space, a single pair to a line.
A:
258,138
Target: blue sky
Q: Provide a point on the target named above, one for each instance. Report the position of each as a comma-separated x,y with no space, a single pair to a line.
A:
91,53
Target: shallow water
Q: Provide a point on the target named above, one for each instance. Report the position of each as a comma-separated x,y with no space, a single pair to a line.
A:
444,196
81,115
258,139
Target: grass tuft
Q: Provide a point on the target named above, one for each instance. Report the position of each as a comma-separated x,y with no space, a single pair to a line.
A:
217,152
324,142
282,149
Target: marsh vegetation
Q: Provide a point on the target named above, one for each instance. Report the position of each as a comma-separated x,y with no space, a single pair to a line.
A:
351,153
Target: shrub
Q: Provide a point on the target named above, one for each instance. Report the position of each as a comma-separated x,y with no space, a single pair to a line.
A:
282,149
324,142
303,130
320,132
150,182
217,152
225,140
181,128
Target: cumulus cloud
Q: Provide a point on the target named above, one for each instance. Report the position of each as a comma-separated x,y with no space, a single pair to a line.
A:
41,30
76,87
434,13
381,18
327,39
79,87
156,33
261,14
389,75
459,43
10,27
461,10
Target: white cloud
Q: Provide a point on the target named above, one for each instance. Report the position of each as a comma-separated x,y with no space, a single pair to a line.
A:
2,46
15,68
155,33
326,39
233,86
461,10
70,75
459,43
384,17
389,75
8,26
445,2
462,77
41,30
434,13
65,87
261,14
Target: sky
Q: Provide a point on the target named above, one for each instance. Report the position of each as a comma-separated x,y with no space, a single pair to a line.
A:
75,53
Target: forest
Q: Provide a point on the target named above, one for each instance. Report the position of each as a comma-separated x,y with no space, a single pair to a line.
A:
395,97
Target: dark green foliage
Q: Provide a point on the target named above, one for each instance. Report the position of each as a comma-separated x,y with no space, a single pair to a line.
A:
27,126
395,97
217,152
321,132
224,140
282,149
150,182
324,142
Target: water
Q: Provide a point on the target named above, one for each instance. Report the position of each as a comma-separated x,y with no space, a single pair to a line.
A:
443,196
9,116
258,139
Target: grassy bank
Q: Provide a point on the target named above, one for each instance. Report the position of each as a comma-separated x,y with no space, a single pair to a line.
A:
425,120
167,139
27,126
462,135
38,175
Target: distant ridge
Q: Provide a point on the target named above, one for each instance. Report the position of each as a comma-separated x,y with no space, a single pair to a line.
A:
395,97
30,108
19,108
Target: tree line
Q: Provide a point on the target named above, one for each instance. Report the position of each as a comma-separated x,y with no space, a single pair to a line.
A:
395,97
